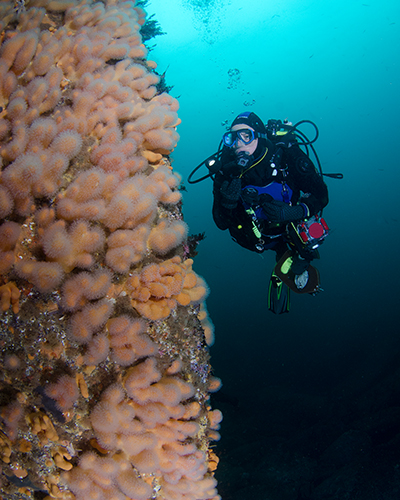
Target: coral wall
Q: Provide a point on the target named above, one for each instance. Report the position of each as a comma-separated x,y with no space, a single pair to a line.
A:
103,328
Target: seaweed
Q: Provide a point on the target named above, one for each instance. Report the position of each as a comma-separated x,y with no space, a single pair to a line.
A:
151,29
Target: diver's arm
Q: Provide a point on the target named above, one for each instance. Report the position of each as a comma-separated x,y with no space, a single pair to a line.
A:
220,220
316,194
226,193
308,180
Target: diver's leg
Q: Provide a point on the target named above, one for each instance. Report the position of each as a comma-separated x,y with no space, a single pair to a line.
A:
280,248
278,292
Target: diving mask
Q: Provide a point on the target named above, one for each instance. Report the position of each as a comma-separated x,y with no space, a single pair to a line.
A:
246,135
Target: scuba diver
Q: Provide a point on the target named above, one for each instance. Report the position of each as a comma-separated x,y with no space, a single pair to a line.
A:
269,196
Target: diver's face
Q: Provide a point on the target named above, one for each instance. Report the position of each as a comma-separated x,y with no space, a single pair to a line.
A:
239,145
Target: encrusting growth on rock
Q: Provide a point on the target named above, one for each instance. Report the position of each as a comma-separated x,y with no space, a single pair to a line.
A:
103,326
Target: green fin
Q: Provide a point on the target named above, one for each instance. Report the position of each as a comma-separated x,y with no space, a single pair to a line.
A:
283,272
278,295
287,264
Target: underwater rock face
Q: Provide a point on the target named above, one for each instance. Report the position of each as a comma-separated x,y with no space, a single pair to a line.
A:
103,327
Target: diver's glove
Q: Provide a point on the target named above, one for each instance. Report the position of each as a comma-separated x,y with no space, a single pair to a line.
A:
230,193
279,211
232,169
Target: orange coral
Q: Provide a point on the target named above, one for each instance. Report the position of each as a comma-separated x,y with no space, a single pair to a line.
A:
207,324
73,248
44,275
9,295
89,320
6,201
11,415
98,349
161,183
157,289
128,340
96,476
166,236
89,205
126,247
82,287
157,434
64,392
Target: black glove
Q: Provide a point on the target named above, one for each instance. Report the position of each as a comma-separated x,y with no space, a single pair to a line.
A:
279,211
232,169
230,193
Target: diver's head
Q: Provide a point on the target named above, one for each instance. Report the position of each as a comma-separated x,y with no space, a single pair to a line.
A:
247,135
245,139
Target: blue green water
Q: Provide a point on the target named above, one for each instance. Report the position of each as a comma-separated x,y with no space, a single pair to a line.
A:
336,63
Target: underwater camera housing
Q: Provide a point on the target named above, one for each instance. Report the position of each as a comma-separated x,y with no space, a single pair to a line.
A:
309,234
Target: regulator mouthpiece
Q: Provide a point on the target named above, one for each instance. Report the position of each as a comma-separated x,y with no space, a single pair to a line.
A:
243,158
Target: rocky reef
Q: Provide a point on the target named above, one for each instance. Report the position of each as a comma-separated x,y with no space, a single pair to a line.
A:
105,367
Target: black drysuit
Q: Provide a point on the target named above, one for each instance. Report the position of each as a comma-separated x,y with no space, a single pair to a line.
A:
294,170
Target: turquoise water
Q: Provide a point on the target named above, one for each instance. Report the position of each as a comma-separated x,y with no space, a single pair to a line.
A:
336,63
